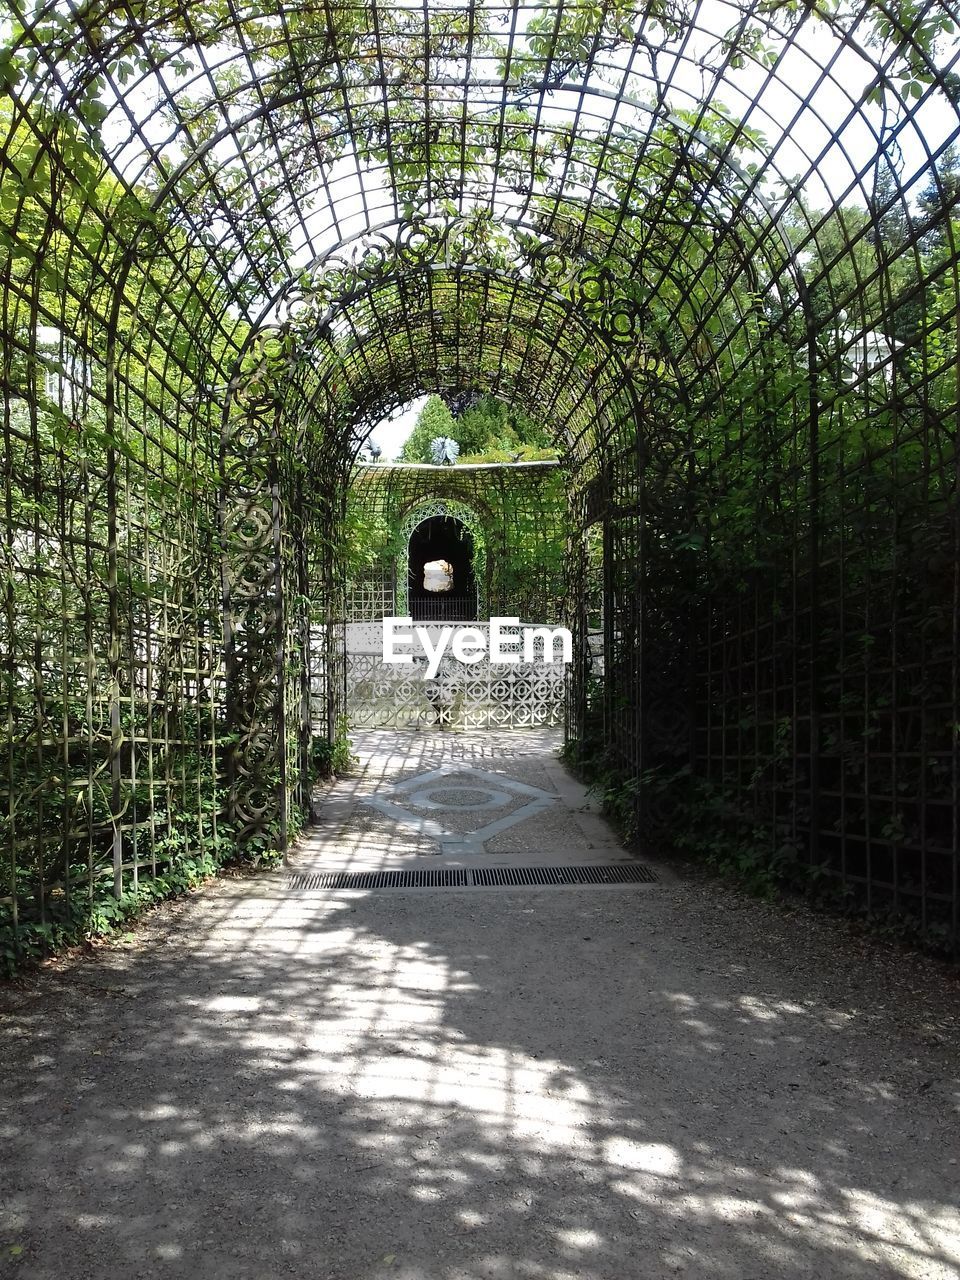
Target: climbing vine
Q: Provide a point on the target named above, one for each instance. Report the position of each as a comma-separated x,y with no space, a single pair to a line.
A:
233,239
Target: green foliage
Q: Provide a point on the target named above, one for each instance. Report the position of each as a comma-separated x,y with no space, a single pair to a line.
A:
521,515
706,822
433,420
737,459
595,763
365,539
487,430
194,847
334,759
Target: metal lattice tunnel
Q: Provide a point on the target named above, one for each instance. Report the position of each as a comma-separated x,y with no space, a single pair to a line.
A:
713,248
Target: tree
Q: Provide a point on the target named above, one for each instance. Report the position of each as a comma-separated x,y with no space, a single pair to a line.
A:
484,427
489,427
435,419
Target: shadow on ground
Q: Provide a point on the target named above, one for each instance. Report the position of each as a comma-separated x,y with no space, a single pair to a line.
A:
467,1085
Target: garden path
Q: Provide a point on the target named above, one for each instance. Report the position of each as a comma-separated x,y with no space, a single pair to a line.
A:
621,1082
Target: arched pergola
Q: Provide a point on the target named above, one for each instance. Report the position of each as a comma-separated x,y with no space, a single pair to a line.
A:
712,247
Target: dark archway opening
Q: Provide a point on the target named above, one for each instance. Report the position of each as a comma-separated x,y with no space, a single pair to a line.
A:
449,597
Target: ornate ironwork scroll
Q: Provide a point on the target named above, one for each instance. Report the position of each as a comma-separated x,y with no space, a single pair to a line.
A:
253,622
471,243
723,269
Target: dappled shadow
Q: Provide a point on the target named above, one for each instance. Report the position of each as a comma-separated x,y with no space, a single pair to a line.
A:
462,1085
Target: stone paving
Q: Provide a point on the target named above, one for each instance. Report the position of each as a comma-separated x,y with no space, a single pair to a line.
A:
460,796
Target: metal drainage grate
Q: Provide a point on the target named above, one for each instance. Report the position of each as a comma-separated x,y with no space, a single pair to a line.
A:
632,873
381,880
622,873
478,878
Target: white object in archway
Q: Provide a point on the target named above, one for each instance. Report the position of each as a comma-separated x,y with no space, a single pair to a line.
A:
438,575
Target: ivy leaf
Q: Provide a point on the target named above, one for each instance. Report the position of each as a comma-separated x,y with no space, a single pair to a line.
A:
11,70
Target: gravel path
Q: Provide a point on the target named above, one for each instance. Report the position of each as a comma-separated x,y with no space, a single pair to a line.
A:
612,1084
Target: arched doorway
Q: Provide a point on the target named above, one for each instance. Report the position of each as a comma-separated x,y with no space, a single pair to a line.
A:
462,517
441,583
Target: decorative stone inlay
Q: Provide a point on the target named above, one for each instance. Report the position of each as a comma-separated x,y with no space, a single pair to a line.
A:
439,790
459,798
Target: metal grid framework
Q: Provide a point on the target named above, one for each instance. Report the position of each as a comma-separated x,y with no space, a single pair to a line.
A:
515,514
713,246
